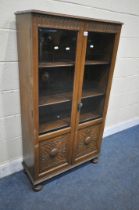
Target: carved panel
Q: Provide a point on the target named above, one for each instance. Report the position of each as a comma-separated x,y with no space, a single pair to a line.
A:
53,152
102,27
87,140
75,23
57,22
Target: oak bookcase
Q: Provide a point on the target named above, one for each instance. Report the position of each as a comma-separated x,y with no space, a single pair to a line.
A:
66,65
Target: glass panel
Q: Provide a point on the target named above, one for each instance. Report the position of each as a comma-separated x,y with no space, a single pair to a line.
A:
55,85
95,80
99,47
54,117
92,108
56,76
56,45
98,55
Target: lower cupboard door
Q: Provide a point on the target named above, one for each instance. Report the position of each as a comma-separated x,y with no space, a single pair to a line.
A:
54,153
87,142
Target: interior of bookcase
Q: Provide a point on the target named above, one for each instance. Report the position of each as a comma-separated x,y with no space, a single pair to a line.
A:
57,48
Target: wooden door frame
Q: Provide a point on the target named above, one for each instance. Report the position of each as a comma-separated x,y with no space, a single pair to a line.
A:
39,23
108,87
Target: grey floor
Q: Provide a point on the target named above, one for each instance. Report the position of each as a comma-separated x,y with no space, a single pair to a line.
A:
112,184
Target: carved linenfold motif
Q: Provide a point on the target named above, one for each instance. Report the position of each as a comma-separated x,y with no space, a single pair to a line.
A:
53,152
87,140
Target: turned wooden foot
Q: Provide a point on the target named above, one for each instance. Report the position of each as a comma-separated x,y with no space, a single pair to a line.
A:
37,188
95,160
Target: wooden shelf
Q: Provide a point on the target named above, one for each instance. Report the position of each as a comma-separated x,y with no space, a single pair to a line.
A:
56,64
54,125
55,98
70,63
96,62
91,93
65,122
52,99
84,117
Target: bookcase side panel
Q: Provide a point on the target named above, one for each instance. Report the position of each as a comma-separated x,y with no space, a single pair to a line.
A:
24,42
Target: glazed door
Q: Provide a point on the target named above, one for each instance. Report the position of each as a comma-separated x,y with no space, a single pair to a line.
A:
73,75
57,57
93,83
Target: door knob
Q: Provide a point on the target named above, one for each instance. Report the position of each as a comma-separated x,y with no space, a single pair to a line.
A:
80,105
87,140
54,152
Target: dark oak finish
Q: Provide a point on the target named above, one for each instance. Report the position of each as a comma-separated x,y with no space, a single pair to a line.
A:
64,95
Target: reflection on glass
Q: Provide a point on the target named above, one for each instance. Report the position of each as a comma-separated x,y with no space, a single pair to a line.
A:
99,46
92,108
54,117
57,45
95,79
55,85
56,74
98,55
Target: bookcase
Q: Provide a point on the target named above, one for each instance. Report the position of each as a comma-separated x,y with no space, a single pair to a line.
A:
66,65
